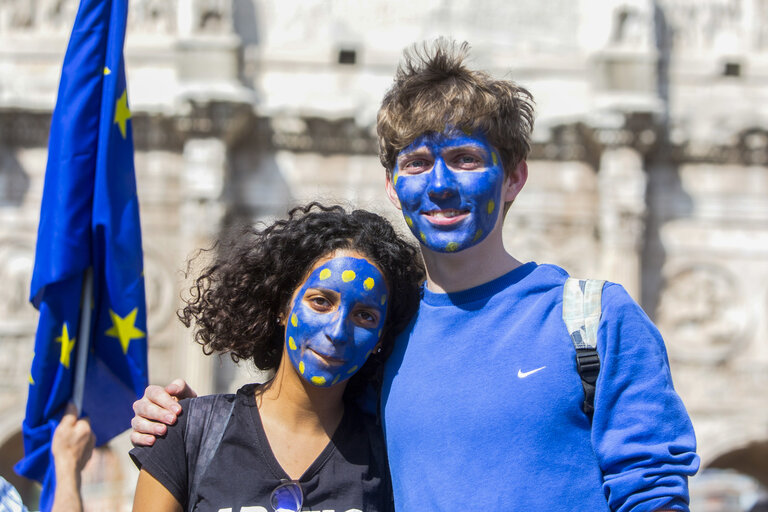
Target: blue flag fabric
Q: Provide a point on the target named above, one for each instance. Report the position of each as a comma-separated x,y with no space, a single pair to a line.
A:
89,220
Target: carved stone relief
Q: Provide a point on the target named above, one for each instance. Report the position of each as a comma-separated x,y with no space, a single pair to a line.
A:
39,15
17,316
533,23
16,14
701,313
152,16
160,287
699,25
213,15
205,17
631,25
571,246
56,14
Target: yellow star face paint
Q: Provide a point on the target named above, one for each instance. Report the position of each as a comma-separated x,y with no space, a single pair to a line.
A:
336,320
448,187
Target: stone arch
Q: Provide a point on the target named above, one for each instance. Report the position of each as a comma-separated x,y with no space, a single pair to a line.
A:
749,459
12,450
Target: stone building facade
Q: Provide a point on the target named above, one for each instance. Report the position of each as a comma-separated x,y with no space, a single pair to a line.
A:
649,167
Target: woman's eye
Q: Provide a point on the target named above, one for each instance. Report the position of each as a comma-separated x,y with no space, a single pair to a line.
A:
320,302
366,317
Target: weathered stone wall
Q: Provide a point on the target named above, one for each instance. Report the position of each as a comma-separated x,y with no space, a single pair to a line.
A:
649,164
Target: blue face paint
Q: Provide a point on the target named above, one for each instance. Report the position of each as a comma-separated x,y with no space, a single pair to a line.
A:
336,320
449,186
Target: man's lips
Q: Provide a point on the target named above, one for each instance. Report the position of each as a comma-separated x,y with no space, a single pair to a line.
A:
445,217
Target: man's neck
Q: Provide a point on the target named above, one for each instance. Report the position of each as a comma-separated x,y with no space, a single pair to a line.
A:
453,272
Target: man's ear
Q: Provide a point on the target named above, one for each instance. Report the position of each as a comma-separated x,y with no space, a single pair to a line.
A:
391,193
515,180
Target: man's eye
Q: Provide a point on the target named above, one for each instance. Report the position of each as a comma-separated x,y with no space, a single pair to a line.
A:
468,161
416,164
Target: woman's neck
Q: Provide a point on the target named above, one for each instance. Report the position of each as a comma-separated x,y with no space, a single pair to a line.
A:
298,404
299,419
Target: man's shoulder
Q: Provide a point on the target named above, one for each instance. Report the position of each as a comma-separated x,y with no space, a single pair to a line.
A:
544,278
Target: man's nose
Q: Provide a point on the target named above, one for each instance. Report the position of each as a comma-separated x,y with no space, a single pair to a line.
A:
442,182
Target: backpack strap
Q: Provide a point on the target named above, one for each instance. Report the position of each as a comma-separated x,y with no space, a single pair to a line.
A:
207,418
581,313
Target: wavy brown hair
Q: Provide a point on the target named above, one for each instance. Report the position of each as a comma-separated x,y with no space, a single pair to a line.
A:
236,302
434,91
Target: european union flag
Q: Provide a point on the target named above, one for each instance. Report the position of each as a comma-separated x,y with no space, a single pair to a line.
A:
89,224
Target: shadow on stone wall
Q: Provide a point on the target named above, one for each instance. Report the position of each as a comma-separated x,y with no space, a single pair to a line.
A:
14,182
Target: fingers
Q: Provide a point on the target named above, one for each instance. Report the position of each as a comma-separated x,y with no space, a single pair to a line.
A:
73,441
180,389
157,405
69,418
71,410
138,439
144,426
157,408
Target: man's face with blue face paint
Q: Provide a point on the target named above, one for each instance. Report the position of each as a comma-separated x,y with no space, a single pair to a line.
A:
336,319
449,187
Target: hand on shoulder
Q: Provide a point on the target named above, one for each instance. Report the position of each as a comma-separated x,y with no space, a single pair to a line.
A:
157,408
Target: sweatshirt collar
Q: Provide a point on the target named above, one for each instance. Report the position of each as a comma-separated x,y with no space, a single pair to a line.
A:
478,292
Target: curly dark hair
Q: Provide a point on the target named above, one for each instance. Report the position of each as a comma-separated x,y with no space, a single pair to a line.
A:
236,302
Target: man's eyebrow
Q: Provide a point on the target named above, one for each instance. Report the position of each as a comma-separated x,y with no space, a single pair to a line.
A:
467,144
421,150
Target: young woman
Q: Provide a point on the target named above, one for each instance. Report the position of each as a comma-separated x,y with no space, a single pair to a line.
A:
317,297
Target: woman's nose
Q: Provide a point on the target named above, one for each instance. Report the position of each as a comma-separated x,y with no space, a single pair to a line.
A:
339,329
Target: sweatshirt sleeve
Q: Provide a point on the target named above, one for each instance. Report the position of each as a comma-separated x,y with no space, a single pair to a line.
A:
641,433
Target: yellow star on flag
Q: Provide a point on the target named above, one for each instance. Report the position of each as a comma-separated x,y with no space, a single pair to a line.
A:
122,114
67,344
123,328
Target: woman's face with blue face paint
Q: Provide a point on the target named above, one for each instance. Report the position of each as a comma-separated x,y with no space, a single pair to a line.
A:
336,318
449,187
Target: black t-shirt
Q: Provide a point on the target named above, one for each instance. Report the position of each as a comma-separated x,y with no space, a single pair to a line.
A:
346,477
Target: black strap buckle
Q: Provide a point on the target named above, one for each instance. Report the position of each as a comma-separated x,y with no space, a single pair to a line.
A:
588,364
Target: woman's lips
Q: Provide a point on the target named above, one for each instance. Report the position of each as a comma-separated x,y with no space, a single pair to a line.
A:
328,360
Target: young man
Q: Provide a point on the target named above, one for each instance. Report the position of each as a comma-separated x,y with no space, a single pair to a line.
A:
481,400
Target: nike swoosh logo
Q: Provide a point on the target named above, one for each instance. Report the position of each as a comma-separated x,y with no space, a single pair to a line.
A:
522,375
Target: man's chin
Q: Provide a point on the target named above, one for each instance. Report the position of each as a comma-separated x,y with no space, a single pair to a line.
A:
449,246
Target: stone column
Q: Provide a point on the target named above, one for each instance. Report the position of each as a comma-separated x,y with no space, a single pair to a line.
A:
207,50
622,185
202,210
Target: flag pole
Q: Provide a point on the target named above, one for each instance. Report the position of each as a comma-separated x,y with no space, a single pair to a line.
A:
84,337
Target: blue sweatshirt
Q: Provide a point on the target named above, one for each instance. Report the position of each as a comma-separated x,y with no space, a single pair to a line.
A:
481,406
